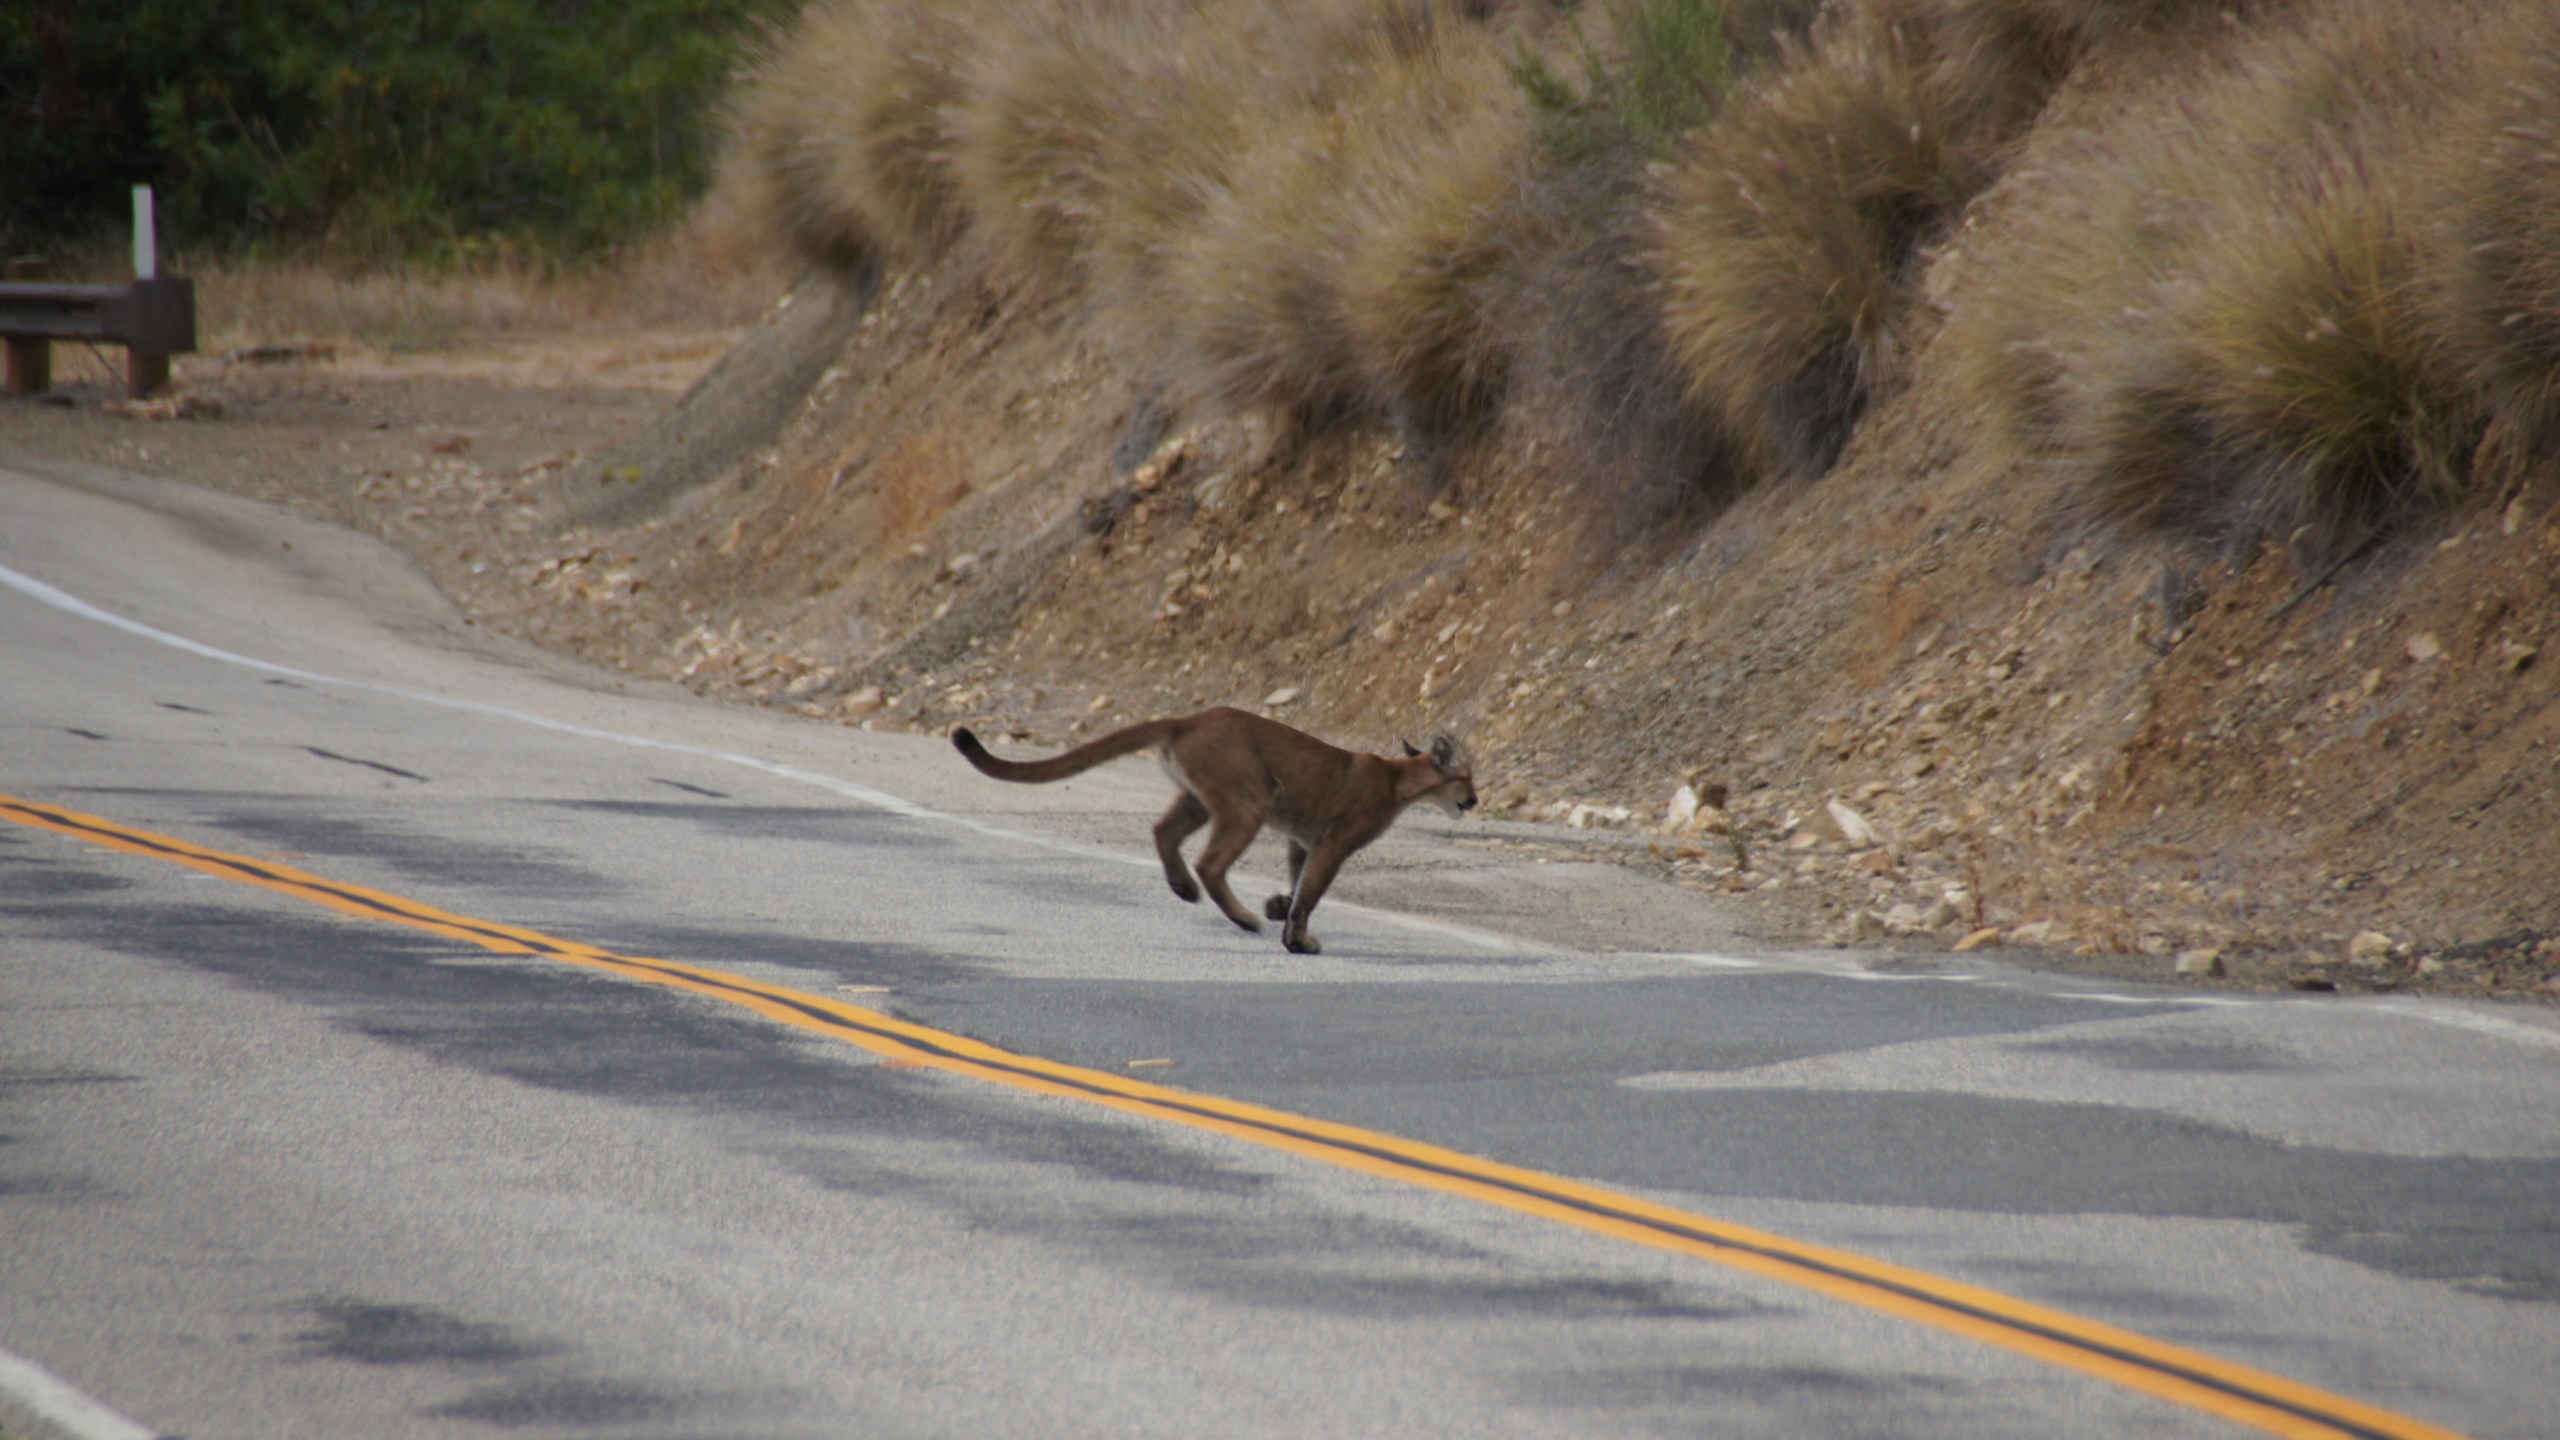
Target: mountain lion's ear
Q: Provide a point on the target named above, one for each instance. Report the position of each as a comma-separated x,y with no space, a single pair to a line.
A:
1409,751
1443,750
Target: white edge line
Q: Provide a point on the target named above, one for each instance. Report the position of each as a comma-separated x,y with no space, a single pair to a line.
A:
2475,1022
57,1402
69,603
1707,959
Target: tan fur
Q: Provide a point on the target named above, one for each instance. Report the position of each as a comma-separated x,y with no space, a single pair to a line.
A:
1238,772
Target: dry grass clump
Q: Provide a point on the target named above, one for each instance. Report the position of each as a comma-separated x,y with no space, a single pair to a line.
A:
1052,111
1785,236
1788,234
848,116
1348,260
1304,206
1094,132
2286,300
2295,389
1441,229
1210,92
794,119
716,271
2253,314
1998,61
906,84
1426,227
2502,283
1249,295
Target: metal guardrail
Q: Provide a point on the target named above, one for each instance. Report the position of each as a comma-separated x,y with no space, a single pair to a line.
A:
152,319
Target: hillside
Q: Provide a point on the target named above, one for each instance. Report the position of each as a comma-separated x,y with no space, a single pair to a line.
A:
2078,477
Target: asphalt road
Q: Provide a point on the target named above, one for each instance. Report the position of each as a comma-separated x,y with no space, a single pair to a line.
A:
268,1168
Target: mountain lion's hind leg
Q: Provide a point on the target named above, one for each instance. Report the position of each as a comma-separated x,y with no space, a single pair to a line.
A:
1186,815
1277,907
1228,837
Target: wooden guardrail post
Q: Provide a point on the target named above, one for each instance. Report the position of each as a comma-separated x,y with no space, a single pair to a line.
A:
146,359
30,366
153,319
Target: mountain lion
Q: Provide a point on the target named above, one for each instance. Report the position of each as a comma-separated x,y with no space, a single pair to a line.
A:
1239,771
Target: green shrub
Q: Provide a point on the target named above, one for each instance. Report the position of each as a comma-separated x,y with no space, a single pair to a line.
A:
1657,70
370,127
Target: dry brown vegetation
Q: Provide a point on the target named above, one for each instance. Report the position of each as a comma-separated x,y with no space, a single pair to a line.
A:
1787,236
717,272
1308,209
2260,308
2285,304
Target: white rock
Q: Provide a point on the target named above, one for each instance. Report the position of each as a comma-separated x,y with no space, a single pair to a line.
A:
1598,817
1682,811
1867,925
2206,961
2370,947
1281,696
1941,913
2424,646
1854,830
1907,919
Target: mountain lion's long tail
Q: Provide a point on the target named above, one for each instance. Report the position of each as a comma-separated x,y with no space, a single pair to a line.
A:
1074,762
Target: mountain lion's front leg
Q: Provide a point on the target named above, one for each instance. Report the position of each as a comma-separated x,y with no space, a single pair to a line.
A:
1277,907
1321,867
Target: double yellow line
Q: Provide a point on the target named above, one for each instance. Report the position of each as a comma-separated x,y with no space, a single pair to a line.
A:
2269,1403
